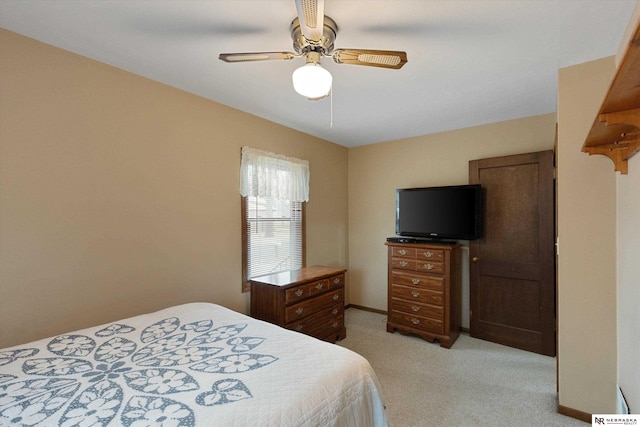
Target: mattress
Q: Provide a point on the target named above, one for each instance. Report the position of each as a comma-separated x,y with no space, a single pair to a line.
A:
195,364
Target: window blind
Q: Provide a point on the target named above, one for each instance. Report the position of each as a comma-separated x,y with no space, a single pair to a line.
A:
274,236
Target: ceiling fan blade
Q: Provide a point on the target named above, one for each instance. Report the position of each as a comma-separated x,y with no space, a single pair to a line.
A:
311,16
256,56
372,58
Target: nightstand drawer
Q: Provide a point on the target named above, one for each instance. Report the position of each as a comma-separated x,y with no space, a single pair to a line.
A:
336,281
313,305
318,287
296,294
322,323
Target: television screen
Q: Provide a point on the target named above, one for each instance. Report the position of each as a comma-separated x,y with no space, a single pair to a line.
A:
451,212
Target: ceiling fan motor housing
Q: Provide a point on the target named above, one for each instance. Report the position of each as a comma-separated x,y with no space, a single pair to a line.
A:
324,46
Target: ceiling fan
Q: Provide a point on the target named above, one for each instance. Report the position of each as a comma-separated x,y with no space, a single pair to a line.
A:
313,36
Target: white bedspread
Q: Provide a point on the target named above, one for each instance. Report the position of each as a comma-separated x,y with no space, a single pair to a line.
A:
191,365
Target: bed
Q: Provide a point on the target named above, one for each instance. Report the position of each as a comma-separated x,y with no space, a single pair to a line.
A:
195,364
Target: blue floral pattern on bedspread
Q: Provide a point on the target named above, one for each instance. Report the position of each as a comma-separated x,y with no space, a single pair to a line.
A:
85,380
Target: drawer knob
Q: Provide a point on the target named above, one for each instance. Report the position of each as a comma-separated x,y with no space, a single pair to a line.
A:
336,281
415,308
428,254
403,263
334,325
415,281
299,311
336,297
319,286
415,321
428,266
415,294
402,252
299,328
334,311
299,292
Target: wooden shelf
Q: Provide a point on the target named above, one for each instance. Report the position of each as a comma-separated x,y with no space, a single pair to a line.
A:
616,130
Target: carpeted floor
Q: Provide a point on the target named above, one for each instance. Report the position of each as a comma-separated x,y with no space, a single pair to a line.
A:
475,383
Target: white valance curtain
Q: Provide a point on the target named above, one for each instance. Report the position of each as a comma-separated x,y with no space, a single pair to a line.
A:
273,176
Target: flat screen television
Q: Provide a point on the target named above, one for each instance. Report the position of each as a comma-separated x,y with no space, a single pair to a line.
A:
450,212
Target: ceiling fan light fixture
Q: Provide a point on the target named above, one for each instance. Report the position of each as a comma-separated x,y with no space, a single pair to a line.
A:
312,81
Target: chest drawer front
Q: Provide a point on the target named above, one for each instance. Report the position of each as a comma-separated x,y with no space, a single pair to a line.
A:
426,282
430,255
418,309
403,252
403,264
419,295
417,322
430,267
313,305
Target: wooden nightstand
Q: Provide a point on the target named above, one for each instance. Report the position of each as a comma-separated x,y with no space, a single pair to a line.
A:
309,300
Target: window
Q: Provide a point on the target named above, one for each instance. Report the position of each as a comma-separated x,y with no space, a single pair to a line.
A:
272,237
274,189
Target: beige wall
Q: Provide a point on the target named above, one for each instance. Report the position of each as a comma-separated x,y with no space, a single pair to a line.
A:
119,195
628,246
599,228
376,171
587,259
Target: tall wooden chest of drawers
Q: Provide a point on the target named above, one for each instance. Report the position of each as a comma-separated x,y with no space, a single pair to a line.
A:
425,290
309,300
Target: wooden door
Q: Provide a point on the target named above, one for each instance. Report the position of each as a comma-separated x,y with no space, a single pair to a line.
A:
512,269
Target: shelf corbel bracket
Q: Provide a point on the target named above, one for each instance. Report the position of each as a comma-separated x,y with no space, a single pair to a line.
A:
626,144
625,117
617,156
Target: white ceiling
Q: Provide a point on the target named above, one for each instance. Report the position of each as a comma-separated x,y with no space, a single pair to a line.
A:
469,62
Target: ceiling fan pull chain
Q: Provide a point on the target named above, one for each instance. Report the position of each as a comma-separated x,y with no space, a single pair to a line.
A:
331,107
